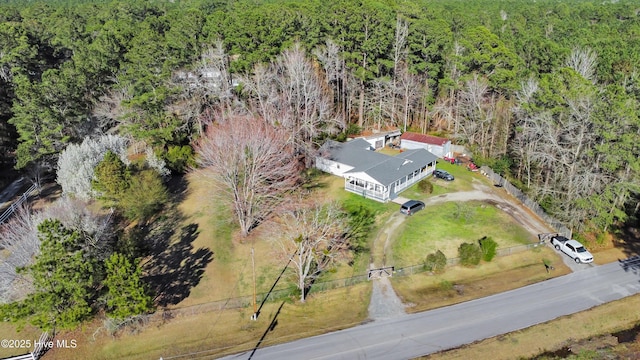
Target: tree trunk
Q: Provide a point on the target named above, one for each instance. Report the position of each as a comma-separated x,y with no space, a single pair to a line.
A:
361,106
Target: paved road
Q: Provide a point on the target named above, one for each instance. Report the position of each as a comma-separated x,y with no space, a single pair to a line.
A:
408,336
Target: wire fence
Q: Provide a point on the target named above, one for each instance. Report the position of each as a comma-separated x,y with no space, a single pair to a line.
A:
246,301
419,268
526,201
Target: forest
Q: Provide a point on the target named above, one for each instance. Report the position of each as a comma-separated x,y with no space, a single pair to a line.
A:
547,93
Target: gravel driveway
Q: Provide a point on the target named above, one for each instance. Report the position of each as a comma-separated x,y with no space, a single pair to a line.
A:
384,300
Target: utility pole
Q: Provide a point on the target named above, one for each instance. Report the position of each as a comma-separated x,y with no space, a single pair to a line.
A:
255,302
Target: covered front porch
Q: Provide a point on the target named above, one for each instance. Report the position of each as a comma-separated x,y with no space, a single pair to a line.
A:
412,178
383,193
367,189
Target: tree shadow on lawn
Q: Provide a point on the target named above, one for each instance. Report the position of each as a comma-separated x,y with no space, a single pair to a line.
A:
178,187
174,268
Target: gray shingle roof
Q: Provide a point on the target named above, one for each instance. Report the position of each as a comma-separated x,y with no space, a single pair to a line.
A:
352,153
383,168
394,168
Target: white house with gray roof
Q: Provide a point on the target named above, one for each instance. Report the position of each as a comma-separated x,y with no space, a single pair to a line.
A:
372,174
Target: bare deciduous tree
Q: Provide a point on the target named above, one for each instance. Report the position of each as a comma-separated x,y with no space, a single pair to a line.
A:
209,85
526,134
252,162
110,108
338,77
584,62
409,86
314,237
399,55
19,244
292,93
476,111
378,103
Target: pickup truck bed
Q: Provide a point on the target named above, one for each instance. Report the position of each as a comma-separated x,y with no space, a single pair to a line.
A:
572,248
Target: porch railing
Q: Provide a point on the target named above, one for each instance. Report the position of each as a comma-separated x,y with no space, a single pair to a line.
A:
360,190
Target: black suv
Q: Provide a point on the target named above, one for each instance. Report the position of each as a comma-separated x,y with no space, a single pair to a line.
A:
411,206
443,175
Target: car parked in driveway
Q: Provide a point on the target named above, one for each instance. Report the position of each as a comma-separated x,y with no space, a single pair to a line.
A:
442,174
411,207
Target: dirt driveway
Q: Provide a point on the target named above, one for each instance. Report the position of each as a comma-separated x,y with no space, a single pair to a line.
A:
384,301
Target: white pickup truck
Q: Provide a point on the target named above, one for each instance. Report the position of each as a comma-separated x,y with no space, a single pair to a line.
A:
572,248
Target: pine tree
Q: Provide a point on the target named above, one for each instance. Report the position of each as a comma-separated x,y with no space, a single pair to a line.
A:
110,177
127,294
63,278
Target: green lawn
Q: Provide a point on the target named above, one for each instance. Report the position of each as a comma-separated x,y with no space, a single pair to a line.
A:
330,187
463,177
445,226
463,182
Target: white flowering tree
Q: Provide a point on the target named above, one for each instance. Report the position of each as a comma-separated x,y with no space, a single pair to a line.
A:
77,163
157,163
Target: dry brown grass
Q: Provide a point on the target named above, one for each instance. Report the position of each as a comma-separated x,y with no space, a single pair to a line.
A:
229,275
8,331
555,334
425,291
214,334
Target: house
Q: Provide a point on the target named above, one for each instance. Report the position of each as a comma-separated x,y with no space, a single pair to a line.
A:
372,174
438,146
379,139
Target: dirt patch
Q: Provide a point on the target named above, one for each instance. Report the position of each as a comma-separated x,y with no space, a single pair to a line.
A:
381,247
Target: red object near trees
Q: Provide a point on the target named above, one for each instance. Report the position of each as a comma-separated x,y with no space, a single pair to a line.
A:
449,159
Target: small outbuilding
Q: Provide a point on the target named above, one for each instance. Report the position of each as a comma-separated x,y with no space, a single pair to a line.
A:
380,138
438,146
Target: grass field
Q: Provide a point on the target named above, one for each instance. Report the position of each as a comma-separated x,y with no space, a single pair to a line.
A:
196,331
445,226
8,332
583,335
229,275
463,182
457,284
213,334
